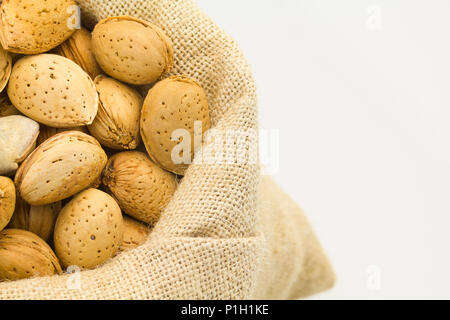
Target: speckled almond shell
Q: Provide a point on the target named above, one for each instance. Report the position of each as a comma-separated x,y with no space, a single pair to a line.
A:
135,233
116,125
53,90
60,167
132,50
35,26
78,48
7,201
37,219
18,136
5,67
141,188
88,230
173,103
24,255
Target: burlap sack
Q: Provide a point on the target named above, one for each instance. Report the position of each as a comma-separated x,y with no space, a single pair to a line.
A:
227,234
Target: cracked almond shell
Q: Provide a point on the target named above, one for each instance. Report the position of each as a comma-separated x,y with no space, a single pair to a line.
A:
62,166
7,201
132,50
141,188
53,90
24,255
116,125
35,26
88,230
172,104
18,136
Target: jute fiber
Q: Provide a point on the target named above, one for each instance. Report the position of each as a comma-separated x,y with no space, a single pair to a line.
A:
227,233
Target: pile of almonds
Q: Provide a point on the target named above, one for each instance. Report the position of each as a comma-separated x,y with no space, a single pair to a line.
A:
91,159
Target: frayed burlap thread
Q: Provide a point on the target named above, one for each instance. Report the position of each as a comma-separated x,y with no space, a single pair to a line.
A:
214,240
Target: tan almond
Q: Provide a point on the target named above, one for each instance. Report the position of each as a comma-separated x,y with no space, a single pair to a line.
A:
24,255
53,90
18,136
89,230
62,166
5,68
173,106
117,123
141,188
7,201
135,233
36,26
37,219
78,48
132,50
47,132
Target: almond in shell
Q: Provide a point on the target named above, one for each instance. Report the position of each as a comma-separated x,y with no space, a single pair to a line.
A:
117,123
53,90
36,26
23,255
141,188
78,48
62,166
135,233
37,219
5,67
175,104
89,230
6,107
132,50
7,200
18,136
47,132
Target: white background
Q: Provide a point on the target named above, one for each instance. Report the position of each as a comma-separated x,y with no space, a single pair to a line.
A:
360,91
